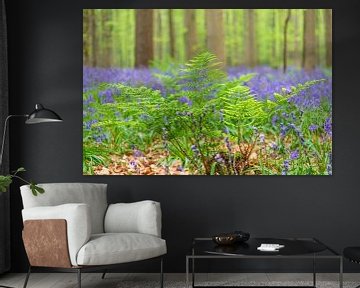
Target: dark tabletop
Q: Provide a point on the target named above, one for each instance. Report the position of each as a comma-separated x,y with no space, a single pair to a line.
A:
292,247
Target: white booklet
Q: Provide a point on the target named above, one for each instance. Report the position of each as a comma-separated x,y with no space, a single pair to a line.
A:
270,247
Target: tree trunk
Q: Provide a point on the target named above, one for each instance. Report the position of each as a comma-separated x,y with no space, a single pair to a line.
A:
274,40
215,40
250,47
309,51
144,50
93,38
158,43
171,34
297,50
328,36
285,39
191,33
107,39
86,38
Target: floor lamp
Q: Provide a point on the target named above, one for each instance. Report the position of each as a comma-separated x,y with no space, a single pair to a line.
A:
39,115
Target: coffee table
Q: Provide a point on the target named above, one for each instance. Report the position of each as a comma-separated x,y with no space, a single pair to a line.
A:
294,248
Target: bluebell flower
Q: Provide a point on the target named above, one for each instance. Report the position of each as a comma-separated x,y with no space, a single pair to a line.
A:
313,127
133,164
137,153
180,168
328,126
274,146
218,158
286,166
294,154
274,119
283,130
227,143
261,138
185,100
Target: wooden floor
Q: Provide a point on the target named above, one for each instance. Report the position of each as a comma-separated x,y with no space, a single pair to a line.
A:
92,280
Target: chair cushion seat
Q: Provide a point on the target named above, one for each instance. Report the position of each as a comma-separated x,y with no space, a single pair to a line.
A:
352,253
114,248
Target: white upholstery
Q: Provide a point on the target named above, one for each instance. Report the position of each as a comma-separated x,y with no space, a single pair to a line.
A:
138,217
133,230
77,218
112,248
62,193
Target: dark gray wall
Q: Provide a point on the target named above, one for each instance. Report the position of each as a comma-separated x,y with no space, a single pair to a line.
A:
45,50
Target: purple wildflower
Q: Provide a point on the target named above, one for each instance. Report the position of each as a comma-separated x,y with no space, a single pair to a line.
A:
106,96
294,154
313,127
328,126
297,132
185,100
218,158
133,164
88,124
262,138
227,143
274,146
274,119
195,150
100,138
137,153
180,168
283,130
286,166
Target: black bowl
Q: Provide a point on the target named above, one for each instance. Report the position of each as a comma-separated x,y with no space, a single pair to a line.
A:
225,239
241,236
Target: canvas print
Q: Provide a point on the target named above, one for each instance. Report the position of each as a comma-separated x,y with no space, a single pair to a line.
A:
207,92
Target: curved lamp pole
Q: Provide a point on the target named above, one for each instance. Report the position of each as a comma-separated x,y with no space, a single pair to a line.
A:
39,115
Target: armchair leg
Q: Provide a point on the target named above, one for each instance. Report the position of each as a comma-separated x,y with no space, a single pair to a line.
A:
161,273
79,277
27,277
103,275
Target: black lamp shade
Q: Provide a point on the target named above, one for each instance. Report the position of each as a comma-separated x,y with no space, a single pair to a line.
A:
42,115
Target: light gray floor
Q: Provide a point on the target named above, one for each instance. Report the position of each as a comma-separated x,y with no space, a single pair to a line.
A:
117,280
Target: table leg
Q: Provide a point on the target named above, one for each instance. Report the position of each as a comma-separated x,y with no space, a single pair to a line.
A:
187,272
314,271
341,273
193,272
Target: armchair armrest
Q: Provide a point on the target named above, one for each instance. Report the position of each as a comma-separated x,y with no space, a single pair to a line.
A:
77,217
138,217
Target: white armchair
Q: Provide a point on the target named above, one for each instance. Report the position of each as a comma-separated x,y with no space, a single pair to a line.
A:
72,228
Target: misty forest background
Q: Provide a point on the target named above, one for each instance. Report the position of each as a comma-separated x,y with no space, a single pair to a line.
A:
251,37
207,91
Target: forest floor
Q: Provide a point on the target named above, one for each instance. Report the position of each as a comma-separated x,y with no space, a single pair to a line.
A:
152,162
144,165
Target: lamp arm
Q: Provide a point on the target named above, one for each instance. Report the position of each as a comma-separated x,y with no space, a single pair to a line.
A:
4,134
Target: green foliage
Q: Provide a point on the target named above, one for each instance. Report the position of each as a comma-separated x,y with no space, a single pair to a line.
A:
6,180
211,124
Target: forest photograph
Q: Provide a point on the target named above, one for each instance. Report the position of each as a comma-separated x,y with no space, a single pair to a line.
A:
207,92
